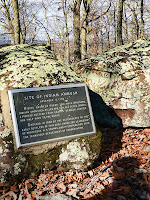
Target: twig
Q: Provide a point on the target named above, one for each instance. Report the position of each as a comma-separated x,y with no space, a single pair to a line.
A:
119,159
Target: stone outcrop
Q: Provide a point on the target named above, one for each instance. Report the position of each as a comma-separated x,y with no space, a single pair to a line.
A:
26,66
120,94
121,77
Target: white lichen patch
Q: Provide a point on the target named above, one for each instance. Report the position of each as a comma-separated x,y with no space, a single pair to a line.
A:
20,161
17,169
74,154
2,179
33,66
1,150
1,119
5,133
21,158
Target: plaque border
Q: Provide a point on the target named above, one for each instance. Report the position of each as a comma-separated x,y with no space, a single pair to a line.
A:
14,116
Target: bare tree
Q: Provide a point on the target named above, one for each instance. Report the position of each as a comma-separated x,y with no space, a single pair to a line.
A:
17,29
84,23
126,25
64,7
46,26
135,18
76,30
119,22
142,20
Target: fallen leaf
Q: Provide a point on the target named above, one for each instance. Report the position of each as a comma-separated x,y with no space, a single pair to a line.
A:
86,191
10,194
126,190
119,175
14,188
61,187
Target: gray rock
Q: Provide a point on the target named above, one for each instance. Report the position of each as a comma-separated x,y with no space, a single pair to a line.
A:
121,77
120,197
140,194
55,197
24,66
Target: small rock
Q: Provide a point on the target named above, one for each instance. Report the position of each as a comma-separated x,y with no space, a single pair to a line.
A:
120,197
140,194
140,171
119,169
55,197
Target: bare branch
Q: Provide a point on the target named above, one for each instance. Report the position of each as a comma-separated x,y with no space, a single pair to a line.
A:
96,18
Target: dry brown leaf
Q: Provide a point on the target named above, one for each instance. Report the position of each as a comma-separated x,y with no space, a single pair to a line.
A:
72,192
72,186
126,189
86,191
110,180
98,187
147,178
146,130
88,195
119,175
10,194
36,193
14,188
61,187
123,152
79,176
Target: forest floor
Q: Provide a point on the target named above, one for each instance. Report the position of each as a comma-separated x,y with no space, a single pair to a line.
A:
123,173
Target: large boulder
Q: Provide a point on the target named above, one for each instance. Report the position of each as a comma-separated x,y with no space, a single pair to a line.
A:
25,66
121,77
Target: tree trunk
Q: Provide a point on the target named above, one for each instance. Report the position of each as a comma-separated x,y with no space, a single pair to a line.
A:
119,22
84,31
142,20
76,31
17,29
135,18
67,50
136,22
126,26
102,40
114,16
47,25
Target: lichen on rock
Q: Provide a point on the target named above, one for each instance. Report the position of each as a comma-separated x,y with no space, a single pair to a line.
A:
4,133
80,153
121,76
25,66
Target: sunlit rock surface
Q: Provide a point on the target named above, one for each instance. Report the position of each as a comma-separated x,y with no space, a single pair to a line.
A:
32,66
121,77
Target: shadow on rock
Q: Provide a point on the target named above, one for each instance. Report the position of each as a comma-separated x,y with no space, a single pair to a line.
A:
103,114
110,125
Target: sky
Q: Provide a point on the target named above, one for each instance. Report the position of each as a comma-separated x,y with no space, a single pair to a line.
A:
55,18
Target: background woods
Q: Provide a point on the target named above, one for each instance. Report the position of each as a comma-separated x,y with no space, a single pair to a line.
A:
76,28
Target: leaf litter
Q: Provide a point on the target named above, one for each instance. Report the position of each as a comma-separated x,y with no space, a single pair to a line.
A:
123,173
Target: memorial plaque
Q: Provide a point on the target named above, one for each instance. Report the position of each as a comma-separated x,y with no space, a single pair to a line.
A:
51,113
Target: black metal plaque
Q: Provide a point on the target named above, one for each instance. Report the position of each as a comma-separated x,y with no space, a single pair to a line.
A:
51,113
